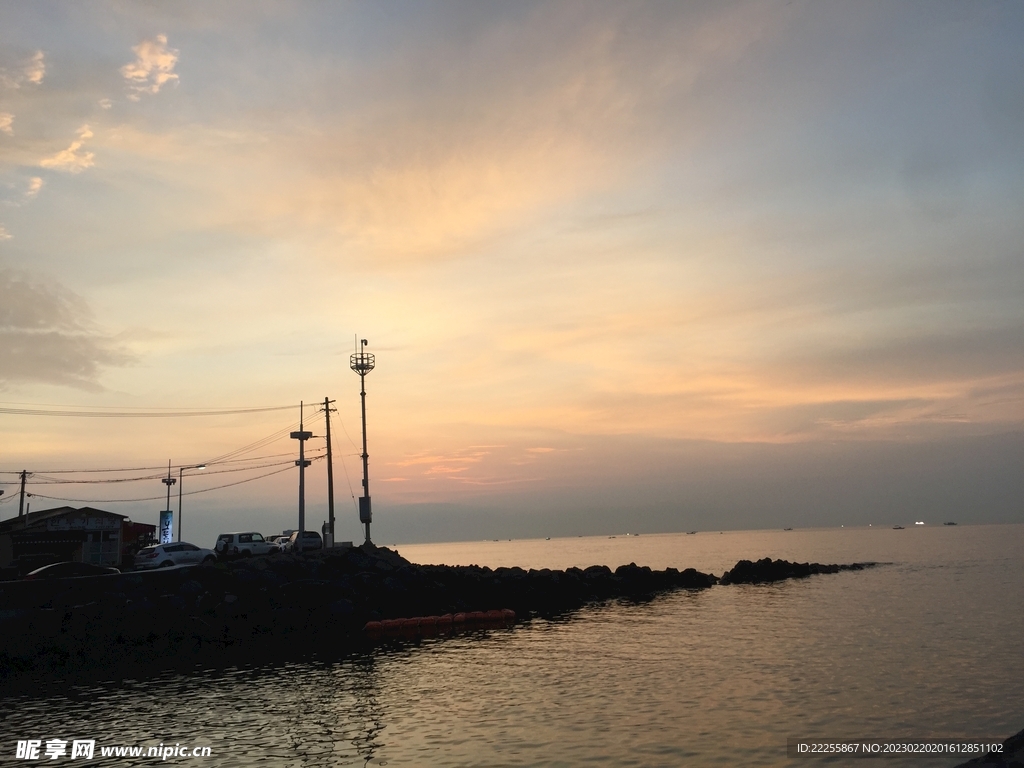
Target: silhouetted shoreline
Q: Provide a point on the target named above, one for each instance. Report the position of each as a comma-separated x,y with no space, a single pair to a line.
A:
273,607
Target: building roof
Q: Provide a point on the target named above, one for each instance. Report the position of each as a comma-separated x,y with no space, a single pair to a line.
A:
18,523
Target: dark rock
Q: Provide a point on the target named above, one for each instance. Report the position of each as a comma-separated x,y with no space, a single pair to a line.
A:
767,570
1012,755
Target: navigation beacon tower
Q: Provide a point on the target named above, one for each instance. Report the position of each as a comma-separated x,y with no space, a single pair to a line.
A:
362,363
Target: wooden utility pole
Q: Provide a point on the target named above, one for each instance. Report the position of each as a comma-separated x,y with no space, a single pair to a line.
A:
21,502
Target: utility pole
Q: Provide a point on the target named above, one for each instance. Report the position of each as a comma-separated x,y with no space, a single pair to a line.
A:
21,501
302,436
362,363
181,474
330,471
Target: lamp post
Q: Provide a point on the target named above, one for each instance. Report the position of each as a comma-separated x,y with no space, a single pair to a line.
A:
181,472
362,363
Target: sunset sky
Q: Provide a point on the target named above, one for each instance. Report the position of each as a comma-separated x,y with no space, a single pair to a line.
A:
624,266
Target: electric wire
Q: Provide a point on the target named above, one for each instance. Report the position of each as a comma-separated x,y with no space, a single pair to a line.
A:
138,414
271,438
162,468
157,498
42,479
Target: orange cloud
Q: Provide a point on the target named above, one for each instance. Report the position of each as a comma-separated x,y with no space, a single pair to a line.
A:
72,160
152,69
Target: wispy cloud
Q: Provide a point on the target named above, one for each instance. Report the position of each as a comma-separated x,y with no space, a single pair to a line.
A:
7,123
34,185
153,67
35,70
72,159
440,463
31,72
4,234
47,335
106,103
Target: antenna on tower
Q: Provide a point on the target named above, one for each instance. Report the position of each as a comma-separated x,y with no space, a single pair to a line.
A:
362,363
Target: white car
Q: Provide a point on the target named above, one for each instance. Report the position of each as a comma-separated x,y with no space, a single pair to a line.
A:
243,544
310,540
178,553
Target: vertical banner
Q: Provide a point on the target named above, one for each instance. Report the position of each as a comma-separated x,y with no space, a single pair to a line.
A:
166,526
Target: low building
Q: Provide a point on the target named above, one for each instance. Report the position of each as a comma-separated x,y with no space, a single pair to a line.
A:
85,535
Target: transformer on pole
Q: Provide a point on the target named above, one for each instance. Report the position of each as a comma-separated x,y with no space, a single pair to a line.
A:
362,363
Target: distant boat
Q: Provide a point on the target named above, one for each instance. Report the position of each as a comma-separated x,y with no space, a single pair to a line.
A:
897,527
949,523
919,522
690,533
787,529
546,538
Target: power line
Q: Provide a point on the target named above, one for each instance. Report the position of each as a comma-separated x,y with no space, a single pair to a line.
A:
40,478
263,441
162,467
230,457
149,414
156,498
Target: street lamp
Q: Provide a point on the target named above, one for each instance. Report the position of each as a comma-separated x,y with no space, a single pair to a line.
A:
181,472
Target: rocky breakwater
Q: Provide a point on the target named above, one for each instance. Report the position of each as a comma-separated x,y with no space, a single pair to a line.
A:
766,570
280,605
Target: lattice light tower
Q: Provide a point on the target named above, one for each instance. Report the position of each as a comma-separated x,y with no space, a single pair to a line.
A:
362,363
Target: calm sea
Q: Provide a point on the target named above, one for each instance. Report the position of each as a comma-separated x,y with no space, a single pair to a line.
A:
929,646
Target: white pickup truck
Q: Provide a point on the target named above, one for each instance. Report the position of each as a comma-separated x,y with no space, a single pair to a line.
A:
243,545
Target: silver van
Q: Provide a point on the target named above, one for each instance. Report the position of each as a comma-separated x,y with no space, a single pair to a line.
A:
243,545
310,540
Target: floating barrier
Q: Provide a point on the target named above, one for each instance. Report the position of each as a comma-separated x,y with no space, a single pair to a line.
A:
429,626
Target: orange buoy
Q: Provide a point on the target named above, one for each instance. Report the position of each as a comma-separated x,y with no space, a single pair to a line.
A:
431,626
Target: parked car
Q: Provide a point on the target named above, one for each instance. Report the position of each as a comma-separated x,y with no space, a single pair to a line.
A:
178,553
69,570
243,545
310,540
279,542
